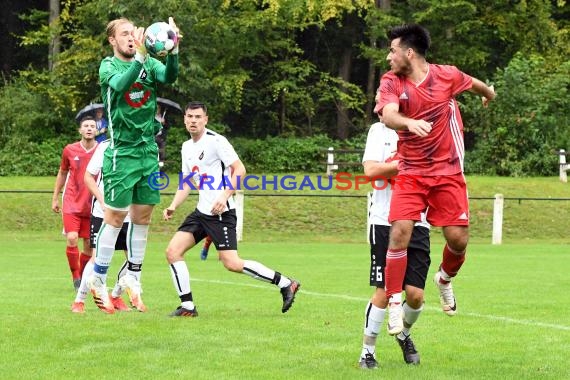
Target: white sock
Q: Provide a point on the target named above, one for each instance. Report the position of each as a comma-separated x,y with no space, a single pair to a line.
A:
106,239
83,288
117,289
262,273
444,275
395,298
180,277
411,315
136,246
373,318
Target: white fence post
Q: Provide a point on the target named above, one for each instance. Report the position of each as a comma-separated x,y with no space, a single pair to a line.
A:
239,198
498,219
331,167
564,167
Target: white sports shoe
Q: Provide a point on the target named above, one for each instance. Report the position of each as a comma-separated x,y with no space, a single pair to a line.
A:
99,291
446,296
133,288
395,318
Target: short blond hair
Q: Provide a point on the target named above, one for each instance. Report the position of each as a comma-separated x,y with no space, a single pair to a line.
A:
112,26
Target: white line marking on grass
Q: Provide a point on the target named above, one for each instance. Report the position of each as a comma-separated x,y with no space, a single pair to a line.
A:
426,307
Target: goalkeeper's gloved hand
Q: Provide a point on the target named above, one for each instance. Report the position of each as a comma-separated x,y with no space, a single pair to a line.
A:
178,35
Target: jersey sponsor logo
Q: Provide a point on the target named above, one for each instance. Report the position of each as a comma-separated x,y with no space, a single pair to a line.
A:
76,158
143,74
136,97
404,96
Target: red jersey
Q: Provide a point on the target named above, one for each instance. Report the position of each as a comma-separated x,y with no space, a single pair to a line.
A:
441,152
76,196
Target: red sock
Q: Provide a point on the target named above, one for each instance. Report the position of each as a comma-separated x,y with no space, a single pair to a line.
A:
395,271
207,242
73,261
83,260
452,261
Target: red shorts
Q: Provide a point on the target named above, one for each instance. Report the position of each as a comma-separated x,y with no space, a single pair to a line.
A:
444,198
77,223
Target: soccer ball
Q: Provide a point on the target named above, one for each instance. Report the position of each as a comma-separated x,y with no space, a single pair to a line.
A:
160,39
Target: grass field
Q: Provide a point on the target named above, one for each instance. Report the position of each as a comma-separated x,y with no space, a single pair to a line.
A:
512,321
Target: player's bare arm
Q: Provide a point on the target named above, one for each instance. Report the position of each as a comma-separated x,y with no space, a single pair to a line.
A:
91,184
238,171
179,198
374,169
59,183
395,120
487,93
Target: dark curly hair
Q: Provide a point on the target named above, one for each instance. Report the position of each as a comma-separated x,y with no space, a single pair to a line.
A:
412,36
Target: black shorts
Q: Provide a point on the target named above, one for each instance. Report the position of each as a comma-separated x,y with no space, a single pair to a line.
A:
418,256
120,245
222,228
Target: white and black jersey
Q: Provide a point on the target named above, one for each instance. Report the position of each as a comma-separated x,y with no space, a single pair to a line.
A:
94,167
207,163
381,144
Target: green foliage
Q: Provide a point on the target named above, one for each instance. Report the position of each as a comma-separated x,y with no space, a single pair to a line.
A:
279,155
20,156
28,112
272,68
526,123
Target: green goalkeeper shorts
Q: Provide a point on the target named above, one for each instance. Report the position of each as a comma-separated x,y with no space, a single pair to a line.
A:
126,177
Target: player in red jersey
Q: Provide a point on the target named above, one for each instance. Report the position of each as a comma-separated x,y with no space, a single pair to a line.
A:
417,99
76,204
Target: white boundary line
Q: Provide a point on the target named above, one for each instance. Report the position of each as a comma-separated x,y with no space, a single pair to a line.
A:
523,322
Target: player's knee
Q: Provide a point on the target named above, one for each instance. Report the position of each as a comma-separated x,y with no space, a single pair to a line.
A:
72,239
415,301
232,263
173,254
414,296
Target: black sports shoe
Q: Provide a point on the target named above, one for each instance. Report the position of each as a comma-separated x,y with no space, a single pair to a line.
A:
288,294
368,362
411,356
183,312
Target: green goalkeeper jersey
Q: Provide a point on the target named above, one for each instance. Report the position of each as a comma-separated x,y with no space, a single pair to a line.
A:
129,95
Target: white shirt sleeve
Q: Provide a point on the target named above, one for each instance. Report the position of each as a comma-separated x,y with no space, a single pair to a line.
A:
378,140
226,151
96,163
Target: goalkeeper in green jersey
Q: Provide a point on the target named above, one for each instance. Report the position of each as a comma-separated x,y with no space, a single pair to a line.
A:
129,82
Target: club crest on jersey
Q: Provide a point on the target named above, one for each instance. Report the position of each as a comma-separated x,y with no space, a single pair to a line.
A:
201,155
136,96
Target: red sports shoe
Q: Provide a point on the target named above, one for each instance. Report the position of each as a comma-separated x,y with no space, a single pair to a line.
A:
78,307
119,304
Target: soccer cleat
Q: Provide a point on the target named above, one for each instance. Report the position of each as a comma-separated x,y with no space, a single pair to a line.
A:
395,318
133,288
288,294
100,295
183,312
368,362
78,307
204,253
411,355
119,304
446,297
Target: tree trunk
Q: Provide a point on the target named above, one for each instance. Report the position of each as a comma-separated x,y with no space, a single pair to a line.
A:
342,119
371,86
54,45
371,83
